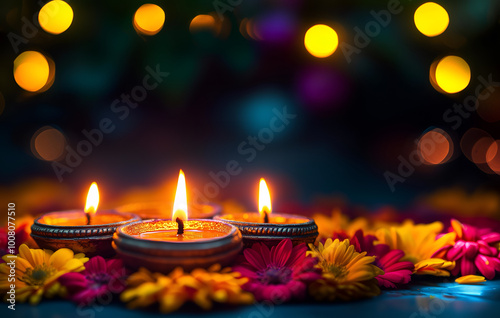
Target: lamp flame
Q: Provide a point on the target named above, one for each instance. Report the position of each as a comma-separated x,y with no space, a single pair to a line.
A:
180,209
92,200
264,198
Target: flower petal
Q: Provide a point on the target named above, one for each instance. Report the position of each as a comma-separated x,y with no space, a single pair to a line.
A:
457,251
470,279
254,258
467,267
61,257
471,249
282,252
491,237
485,266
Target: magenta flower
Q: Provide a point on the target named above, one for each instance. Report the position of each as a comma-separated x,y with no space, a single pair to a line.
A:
279,274
99,278
473,250
396,272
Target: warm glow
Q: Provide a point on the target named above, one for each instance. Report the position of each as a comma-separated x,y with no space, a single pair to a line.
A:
493,156
264,198
435,147
452,74
92,200
48,143
55,17
321,40
31,71
204,22
149,19
180,209
431,19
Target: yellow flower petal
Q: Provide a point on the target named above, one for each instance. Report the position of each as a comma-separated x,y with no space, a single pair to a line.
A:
61,257
470,279
457,227
25,253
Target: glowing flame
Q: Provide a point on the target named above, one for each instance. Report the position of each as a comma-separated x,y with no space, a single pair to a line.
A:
92,200
264,198
180,203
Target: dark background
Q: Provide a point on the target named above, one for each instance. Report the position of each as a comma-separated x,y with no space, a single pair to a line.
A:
349,130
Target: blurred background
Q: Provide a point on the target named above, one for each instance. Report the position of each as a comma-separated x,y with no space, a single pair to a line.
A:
369,103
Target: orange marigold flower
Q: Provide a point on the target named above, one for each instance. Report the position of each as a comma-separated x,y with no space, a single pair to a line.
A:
202,287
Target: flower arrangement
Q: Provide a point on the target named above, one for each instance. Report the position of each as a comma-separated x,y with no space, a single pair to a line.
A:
351,260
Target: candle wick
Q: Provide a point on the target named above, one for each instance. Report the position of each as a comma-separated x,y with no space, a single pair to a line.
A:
180,226
88,218
266,217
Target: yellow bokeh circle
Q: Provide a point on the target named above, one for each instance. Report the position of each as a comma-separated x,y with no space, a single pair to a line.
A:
321,40
55,17
431,19
31,71
149,19
452,74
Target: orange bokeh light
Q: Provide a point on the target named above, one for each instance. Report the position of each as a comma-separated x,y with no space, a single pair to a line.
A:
435,147
493,156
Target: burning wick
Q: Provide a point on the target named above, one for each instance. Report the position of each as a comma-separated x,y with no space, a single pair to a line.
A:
180,226
266,217
88,218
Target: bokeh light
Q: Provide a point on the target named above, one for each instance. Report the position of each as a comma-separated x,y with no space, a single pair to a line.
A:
474,144
55,17
48,143
435,147
321,40
452,74
149,19
493,156
431,19
488,107
31,71
248,29
204,23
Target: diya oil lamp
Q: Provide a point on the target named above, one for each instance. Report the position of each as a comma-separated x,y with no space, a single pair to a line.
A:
158,210
270,228
162,244
88,231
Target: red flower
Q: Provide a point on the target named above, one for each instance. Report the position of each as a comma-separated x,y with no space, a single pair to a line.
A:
99,278
395,270
279,274
21,235
473,250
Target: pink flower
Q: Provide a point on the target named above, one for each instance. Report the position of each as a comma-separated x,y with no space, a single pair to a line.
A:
473,250
395,270
21,235
279,274
99,278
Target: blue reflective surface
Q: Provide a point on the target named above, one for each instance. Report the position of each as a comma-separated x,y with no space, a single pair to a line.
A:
427,298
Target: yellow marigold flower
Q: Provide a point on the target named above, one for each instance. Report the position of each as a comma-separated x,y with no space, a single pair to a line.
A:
338,222
420,246
347,274
201,286
37,271
470,279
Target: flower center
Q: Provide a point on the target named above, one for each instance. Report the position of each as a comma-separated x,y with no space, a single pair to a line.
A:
99,279
38,275
338,271
275,275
